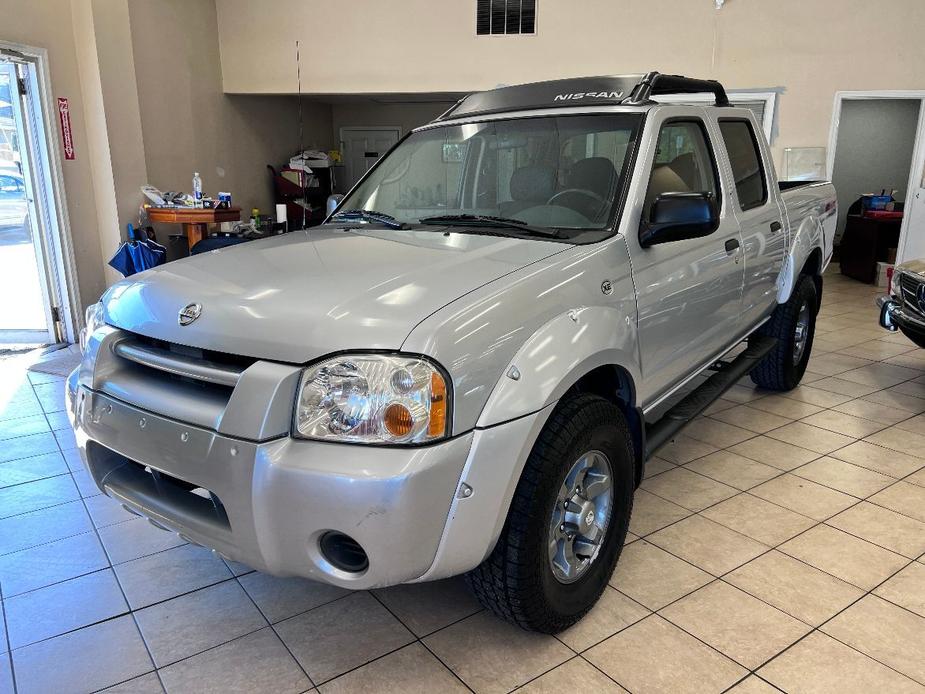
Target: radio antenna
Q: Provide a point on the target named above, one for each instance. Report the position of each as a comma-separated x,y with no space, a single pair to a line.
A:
303,176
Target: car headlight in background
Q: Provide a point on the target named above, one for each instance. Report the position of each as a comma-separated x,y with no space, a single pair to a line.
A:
373,398
894,282
93,319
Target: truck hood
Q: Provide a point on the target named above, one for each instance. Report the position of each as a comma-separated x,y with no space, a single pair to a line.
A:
300,296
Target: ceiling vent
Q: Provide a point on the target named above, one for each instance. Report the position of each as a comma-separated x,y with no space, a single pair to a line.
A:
505,17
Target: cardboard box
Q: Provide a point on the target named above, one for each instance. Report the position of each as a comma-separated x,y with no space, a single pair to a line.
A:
882,280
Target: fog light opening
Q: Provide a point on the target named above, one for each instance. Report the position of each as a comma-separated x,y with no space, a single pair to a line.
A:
343,552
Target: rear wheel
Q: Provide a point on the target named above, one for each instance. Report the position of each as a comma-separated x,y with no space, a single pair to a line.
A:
567,522
794,325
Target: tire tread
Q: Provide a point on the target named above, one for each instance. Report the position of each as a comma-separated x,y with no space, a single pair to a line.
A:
504,582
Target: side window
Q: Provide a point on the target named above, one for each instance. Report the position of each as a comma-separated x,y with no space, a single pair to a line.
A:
745,158
683,162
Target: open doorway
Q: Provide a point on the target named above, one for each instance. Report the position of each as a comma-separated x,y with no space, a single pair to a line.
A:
875,146
36,271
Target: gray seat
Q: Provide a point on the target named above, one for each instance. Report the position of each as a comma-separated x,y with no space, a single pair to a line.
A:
596,175
530,186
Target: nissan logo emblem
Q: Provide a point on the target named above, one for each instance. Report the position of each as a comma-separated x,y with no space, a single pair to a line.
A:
189,313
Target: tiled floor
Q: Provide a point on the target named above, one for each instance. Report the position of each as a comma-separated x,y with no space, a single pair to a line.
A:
778,543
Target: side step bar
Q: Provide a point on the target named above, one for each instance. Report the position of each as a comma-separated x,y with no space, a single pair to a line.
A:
679,416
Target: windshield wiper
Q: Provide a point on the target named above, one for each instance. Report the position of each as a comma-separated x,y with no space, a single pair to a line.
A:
370,216
481,220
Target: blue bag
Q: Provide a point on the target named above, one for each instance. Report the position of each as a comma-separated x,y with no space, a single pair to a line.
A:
138,254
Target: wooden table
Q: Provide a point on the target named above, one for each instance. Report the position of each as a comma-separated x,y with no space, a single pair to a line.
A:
195,221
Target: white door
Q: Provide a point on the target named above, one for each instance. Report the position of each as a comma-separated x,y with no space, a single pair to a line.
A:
362,147
26,308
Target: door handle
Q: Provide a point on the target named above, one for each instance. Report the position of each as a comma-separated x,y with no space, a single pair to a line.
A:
776,226
732,245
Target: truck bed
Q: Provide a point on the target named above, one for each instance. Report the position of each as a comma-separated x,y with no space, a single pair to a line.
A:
808,202
790,185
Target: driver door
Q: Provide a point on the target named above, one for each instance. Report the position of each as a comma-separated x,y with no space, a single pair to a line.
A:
688,292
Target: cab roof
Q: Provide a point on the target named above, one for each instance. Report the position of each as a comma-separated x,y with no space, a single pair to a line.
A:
613,90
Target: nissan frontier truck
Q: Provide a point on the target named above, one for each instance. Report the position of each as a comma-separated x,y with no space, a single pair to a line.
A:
466,367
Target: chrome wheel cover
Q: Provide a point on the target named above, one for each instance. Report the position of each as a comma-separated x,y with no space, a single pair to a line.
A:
801,333
580,517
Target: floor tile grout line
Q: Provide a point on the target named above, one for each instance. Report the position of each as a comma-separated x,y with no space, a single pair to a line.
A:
311,681
157,668
813,628
769,549
776,547
817,523
420,639
68,537
605,674
6,632
818,628
786,471
623,628
99,539
783,473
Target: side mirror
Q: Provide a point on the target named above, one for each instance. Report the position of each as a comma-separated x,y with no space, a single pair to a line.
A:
332,202
678,216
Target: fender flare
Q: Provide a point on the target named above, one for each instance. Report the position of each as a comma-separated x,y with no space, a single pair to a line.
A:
806,239
556,356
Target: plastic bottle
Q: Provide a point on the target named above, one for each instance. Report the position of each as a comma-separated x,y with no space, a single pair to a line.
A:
197,189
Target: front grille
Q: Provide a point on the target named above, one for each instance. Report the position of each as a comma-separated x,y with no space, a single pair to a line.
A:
184,383
909,288
195,353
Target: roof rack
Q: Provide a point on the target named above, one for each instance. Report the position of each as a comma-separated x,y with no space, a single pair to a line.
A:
657,84
629,90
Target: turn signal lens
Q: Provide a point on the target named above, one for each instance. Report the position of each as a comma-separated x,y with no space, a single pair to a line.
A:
437,423
397,420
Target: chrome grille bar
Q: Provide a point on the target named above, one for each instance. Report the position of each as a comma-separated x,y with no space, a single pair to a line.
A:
177,364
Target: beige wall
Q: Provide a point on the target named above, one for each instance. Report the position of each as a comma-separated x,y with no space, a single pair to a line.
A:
144,80
373,113
810,48
49,25
188,124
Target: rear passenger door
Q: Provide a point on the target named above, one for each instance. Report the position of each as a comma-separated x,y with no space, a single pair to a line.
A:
764,236
688,292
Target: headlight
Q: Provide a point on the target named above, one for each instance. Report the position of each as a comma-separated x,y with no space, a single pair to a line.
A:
894,283
373,398
93,319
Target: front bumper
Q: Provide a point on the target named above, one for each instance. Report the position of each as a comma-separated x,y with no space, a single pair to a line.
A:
893,315
275,499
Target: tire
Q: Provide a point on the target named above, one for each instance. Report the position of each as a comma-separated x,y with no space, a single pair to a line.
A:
781,369
917,338
517,581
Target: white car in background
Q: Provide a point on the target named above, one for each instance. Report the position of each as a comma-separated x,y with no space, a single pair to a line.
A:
14,205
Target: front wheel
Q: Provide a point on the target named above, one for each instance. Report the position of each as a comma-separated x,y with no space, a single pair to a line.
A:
794,326
567,521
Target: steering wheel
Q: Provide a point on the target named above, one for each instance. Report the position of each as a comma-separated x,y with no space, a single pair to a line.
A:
582,191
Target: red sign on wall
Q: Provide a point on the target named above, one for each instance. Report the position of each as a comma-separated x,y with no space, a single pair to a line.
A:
67,140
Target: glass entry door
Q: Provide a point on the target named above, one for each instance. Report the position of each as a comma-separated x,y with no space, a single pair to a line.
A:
26,296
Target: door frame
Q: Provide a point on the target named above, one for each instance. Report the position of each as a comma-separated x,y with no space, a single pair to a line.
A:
917,170
53,221
736,96
397,129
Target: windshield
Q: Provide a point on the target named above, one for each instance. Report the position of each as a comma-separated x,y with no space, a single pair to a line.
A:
563,172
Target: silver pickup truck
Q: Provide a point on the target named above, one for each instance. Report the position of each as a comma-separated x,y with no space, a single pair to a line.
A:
466,367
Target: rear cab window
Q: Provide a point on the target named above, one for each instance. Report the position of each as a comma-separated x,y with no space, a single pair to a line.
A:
745,159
